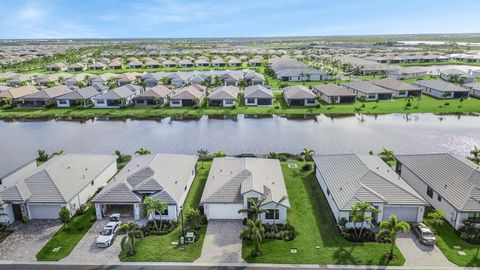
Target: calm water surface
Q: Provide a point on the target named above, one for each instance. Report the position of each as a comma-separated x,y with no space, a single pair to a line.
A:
419,133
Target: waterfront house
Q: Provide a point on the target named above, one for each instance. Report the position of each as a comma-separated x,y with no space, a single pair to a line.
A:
447,182
369,90
449,74
400,89
346,179
117,97
332,93
258,95
474,89
233,182
223,96
83,96
15,94
299,95
188,96
442,89
64,180
156,95
44,97
164,177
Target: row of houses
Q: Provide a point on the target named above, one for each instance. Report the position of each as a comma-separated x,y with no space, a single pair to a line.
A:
442,180
287,69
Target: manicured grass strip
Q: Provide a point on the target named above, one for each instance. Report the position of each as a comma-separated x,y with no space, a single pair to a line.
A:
159,248
447,238
313,220
67,239
426,104
4,234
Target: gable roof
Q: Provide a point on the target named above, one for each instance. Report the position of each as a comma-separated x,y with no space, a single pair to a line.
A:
455,178
123,91
224,92
440,85
230,178
395,85
18,92
298,92
167,173
59,179
367,87
351,178
49,93
159,91
333,90
257,91
187,92
83,93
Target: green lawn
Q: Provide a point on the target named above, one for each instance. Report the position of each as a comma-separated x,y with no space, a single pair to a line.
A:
67,239
447,238
315,225
426,105
159,248
4,234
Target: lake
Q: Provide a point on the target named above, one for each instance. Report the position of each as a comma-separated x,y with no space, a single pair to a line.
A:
417,133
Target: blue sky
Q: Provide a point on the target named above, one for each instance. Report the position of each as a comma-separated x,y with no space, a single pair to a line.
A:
241,18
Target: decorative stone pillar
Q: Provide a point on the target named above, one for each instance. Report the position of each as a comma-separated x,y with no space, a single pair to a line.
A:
136,211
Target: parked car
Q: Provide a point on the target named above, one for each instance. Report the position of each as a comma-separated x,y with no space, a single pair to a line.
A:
424,234
115,217
107,235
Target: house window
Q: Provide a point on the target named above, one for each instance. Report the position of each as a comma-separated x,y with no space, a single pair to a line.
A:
176,101
430,192
250,100
62,101
473,217
310,101
229,101
100,101
272,214
439,198
402,93
371,96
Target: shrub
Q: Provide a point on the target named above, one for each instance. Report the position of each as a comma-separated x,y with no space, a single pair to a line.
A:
307,167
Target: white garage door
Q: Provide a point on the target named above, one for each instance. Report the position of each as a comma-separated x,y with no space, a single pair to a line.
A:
223,211
408,214
38,211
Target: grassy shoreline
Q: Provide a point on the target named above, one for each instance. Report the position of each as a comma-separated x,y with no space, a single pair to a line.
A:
425,105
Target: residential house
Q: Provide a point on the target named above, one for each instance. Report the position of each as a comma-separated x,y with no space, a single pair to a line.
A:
347,179
449,74
152,64
97,66
185,63
15,94
234,62
223,96
135,64
369,90
258,95
331,93
233,182
255,62
117,97
83,96
254,78
156,95
299,95
287,69
442,89
65,180
188,96
406,73
202,62
56,67
400,89
115,64
169,64
218,62
473,87
76,67
164,177
44,97
231,78
126,78
446,182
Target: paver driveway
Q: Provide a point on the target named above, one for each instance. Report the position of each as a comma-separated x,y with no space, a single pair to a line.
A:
222,243
86,250
417,254
27,239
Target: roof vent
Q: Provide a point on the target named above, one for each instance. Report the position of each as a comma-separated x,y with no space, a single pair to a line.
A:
68,167
84,176
377,168
273,183
86,169
341,188
176,182
445,186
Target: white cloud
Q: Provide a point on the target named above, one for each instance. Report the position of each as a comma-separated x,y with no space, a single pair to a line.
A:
30,13
109,17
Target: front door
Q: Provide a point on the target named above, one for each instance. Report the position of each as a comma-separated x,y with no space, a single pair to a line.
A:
17,211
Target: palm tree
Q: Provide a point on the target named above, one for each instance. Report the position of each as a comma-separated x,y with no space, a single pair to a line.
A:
152,207
389,229
142,151
307,154
387,155
254,231
4,101
202,155
475,153
358,216
132,233
254,208
219,154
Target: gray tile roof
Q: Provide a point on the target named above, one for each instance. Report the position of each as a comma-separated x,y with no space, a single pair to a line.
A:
298,92
367,87
257,91
83,93
395,85
230,178
188,92
59,179
333,90
351,178
455,178
49,93
159,91
440,85
168,173
120,92
224,92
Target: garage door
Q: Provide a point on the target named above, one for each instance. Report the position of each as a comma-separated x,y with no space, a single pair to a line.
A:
223,211
408,214
44,211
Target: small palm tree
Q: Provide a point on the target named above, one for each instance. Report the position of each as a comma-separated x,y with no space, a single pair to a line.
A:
254,231
202,155
359,216
307,154
152,207
387,155
129,240
389,230
475,152
254,208
142,151
219,154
